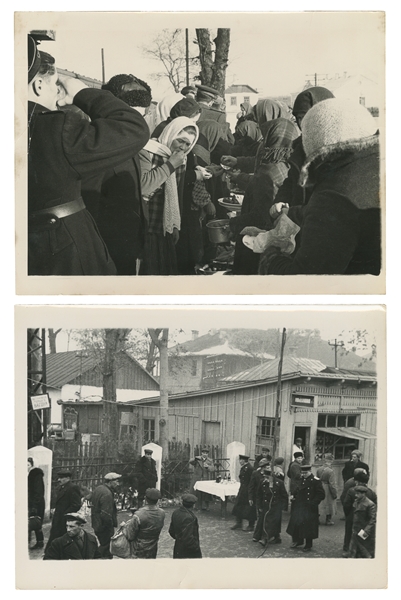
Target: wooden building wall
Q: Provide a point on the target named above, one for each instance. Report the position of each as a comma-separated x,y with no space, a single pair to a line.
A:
130,376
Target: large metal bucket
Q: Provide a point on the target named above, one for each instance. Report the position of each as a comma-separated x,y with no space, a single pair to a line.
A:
219,231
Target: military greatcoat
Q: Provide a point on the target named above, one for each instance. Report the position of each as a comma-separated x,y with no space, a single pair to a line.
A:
304,520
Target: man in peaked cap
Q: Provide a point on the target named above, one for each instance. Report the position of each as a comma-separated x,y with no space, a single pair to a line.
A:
348,497
68,500
147,474
76,544
189,91
205,97
304,520
242,508
363,537
254,483
143,530
104,512
184,529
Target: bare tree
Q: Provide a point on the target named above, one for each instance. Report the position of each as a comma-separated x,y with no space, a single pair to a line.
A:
168,48
52,334
213,57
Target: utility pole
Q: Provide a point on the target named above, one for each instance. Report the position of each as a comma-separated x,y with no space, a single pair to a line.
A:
187,56
103,72
278,401
336,345
160,339
37,419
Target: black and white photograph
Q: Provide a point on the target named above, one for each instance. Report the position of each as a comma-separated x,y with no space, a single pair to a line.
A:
247,146
201,433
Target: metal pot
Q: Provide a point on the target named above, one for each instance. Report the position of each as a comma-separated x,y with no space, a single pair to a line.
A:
219,231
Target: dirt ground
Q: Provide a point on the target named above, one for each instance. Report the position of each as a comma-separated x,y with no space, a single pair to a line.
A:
219,541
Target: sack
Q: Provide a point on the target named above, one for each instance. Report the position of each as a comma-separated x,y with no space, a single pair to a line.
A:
200,195
119,544
35,523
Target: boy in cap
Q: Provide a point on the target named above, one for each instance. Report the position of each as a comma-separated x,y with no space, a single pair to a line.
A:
68,499
184,529
242,508
104,512
76,544
304,520
143,530
363,525
361,477
147,474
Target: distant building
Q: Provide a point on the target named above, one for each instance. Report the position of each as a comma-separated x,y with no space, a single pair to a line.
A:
235,95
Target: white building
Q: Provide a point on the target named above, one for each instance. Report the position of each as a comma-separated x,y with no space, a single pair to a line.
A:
235,95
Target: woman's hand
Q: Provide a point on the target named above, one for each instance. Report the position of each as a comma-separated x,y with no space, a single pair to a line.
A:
278,208
177,158
68,87
215,170
228,161
202,173
210,210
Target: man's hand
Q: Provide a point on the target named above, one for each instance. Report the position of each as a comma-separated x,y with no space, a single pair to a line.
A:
177,158
228,161
214,170
278,208
210,210
68,88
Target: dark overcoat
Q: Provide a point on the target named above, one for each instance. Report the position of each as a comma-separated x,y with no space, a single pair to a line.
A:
147,475
184,529
242,508
349,468
65,548
36,493
294,474
68,500
64,148
271,500
104,510
304,520
365,511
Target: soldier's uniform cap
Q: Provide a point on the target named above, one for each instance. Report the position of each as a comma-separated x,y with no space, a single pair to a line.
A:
306,467
148,451
243,457
263,462
64,473
279,460
112,476
298,454
205,89
265,449
189,498
205,450
75,517
153,494
361,488
187,89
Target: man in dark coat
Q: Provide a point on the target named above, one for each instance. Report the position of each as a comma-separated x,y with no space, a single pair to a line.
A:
147,474
256,478
354,463
242,509
184,529
295,472
264,453
363,538
104,512
304,520
113,197
68,499
205,97
76,544
63,148
36,501
348,498
271,500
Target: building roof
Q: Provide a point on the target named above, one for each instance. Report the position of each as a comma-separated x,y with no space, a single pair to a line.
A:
64,367
211,344
239,88
306,366
220,349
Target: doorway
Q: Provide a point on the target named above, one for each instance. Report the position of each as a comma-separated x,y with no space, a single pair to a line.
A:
210,433
304,434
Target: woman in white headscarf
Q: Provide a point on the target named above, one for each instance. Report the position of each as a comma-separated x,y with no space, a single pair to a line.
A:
165,105
163,162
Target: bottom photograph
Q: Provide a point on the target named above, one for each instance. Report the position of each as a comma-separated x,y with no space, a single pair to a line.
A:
201,433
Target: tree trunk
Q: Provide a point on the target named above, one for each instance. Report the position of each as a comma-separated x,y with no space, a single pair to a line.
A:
52,339
160,339
113,340
213,68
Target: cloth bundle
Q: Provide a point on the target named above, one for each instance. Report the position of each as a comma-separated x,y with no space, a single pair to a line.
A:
282,236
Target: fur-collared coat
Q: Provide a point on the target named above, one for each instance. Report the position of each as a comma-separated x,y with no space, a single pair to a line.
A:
340,226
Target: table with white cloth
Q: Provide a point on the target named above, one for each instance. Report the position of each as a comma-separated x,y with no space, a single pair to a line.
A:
222,490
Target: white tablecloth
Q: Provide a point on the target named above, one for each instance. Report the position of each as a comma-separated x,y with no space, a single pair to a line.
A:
222,490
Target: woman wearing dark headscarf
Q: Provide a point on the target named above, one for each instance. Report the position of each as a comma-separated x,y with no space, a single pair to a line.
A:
291,192
271,168
198,206
163,164
267,109
187,107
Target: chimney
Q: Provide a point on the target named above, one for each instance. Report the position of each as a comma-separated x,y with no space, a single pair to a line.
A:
195,334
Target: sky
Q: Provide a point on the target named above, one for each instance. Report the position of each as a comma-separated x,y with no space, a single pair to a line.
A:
274,52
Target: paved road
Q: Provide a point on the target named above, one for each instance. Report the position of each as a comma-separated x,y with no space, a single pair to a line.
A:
219,541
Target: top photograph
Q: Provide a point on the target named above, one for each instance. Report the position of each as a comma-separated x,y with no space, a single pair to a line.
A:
200,153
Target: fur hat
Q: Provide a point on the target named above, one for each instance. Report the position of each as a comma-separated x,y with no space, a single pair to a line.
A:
334,121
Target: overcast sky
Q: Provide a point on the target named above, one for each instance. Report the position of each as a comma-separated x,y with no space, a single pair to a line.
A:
272,52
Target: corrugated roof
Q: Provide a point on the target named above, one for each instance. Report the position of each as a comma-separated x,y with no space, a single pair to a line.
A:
221,349
238,88
291,364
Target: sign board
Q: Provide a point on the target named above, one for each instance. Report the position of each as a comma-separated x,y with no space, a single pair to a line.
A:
40,402
307,401
127,418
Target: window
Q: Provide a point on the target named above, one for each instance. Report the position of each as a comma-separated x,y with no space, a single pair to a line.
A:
362,100
324,420
148,430
247,98
70,418
339,446
233,100
265,432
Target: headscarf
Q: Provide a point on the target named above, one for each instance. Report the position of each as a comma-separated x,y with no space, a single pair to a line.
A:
161,147
277,142
266,110
209,134
247,107
166,104
308,98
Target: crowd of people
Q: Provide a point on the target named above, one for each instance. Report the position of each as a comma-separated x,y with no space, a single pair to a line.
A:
258,508
115,191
